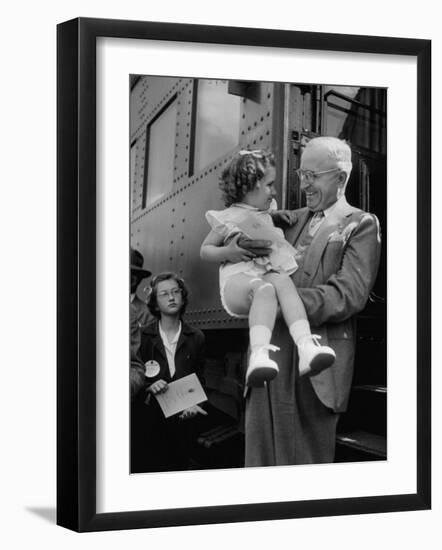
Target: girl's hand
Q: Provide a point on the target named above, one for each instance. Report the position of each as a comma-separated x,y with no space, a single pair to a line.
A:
235,253
160,386
191,412
284,218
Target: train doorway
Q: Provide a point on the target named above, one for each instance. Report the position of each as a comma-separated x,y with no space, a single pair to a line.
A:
357,115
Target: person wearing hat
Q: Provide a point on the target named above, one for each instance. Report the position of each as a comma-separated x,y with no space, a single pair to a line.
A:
140,315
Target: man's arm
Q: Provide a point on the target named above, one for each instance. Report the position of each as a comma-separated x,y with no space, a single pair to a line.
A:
345,293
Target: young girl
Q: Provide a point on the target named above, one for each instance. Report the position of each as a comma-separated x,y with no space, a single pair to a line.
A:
253,286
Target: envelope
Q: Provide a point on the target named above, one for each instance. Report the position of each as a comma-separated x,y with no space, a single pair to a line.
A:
181,394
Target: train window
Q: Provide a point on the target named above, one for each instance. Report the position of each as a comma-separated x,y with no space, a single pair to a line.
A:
357,115
216,123
160,154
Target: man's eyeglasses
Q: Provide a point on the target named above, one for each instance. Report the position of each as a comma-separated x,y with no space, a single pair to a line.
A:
175,292
309,175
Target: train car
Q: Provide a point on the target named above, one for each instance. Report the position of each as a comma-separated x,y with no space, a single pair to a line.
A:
183,132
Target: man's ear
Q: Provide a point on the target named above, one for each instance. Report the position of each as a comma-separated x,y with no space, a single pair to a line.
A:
342,177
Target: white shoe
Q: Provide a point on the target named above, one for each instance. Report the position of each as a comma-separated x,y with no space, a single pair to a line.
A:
261,368
314,358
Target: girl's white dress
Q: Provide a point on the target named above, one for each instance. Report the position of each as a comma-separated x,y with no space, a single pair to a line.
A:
256,224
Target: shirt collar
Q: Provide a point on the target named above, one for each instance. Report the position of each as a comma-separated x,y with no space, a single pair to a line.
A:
164,336
330,209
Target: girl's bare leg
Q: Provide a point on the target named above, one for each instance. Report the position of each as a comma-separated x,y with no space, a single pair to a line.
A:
244,294
313,358
291,305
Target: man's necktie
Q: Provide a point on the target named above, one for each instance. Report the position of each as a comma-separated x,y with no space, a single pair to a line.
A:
315,222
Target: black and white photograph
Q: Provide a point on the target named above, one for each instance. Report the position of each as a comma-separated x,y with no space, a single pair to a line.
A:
243,255
221,254
258,273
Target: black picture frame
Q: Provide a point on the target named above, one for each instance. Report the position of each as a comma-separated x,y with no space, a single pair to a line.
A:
76,273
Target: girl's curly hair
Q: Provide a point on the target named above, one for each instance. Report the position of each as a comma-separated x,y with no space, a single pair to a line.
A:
243,173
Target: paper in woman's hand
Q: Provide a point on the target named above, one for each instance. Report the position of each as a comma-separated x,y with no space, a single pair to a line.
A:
181,394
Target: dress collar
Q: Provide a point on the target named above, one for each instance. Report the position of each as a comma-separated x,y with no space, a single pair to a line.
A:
273,206
245,206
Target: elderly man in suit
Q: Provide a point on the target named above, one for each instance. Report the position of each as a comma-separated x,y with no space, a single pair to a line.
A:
293,421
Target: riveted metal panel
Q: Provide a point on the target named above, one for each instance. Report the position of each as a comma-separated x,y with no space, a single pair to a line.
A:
196,197
153,237
138,175
169,233
137,99
257,115
182,141
149,96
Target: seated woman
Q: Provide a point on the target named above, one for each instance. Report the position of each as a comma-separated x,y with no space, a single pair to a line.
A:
170,349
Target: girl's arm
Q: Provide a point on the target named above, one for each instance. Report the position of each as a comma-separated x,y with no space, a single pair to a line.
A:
283,218
214,250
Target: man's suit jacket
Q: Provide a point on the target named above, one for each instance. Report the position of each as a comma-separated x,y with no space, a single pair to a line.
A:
337,275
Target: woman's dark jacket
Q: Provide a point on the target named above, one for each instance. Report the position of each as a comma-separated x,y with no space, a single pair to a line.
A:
157,443
189,354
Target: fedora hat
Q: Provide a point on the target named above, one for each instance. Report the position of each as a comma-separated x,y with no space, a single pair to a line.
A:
136,264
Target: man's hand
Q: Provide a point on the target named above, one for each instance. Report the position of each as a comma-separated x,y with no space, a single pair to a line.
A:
191,412
284,218
258,247
235,253
160,386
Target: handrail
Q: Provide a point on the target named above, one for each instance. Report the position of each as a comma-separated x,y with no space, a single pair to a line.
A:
354,102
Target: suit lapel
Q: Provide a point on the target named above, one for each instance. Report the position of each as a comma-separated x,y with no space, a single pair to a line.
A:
337,219
292,233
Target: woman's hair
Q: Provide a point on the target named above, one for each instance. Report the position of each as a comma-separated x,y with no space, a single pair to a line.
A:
152,303
243,173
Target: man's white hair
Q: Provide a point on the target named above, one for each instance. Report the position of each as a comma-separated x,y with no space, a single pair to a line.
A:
336,149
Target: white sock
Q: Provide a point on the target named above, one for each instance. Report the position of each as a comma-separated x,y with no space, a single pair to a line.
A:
299,329
260,335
